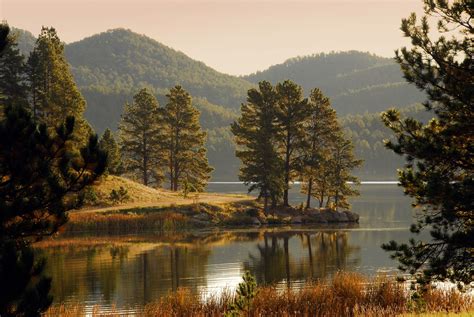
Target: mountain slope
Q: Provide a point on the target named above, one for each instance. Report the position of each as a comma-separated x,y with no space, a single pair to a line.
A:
356,82
120,60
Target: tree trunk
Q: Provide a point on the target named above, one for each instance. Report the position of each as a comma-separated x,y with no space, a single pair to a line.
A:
308,198
265,204
145,161
287,171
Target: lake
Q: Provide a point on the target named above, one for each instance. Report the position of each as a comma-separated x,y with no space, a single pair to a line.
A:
131,270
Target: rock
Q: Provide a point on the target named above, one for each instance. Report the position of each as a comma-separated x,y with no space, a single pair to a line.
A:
341,217
317,218
202,217
351,216
263,221
296,220
330,216
255,221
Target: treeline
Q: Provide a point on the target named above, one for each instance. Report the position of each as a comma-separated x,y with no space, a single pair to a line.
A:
368,133
282,137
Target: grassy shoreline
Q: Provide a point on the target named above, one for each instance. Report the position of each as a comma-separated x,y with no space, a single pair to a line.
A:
347,294
242,213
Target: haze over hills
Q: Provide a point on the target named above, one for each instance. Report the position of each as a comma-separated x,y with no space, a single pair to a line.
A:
112,66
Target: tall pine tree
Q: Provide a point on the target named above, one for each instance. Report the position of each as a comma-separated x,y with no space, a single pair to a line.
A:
183,143
141,136
439,154
320,128
53,92
292,111
341,164
12,75
256,135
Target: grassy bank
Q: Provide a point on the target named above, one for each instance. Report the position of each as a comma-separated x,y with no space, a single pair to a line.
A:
347,294
117,205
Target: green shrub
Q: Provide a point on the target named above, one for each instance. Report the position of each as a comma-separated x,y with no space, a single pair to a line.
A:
245,294
119,196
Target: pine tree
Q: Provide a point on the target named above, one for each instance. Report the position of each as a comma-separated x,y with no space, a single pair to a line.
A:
255,135
108,144
292,112
320,129
54,93
341,164
140,135
439,154
183,143
12,75
40,180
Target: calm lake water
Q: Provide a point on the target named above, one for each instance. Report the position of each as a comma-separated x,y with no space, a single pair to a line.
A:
132,270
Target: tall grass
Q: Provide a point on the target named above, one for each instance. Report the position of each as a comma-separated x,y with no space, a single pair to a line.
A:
347,294
111,223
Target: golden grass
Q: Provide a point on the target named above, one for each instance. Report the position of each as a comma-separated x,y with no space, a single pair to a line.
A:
348,294
143,196
119,222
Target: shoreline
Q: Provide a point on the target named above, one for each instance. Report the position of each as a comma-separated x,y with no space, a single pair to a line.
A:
241,212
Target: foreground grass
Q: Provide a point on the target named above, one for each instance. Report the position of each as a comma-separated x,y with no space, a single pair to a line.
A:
348,294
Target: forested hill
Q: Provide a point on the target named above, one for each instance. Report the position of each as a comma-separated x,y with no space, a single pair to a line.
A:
120,59
356,82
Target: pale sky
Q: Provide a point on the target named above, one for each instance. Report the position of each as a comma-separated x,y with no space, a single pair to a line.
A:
233,36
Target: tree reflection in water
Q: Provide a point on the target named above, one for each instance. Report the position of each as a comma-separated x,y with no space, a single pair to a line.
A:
327,252
136,270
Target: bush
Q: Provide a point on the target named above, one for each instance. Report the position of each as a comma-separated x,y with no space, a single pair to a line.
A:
90,196
119,196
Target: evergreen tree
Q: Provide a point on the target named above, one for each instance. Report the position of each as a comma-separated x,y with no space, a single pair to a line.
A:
183,143
320,128
439,154
140,136
322,178
108,144
54,93
255,135
292,111
40,180
341,164
12,75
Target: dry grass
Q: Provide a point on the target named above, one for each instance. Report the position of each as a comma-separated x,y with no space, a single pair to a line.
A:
348,294
117,222
141,196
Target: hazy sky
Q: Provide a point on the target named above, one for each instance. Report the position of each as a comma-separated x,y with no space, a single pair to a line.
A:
232,36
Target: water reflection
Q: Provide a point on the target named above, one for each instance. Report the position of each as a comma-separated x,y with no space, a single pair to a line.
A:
136,270
312,255
130,271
